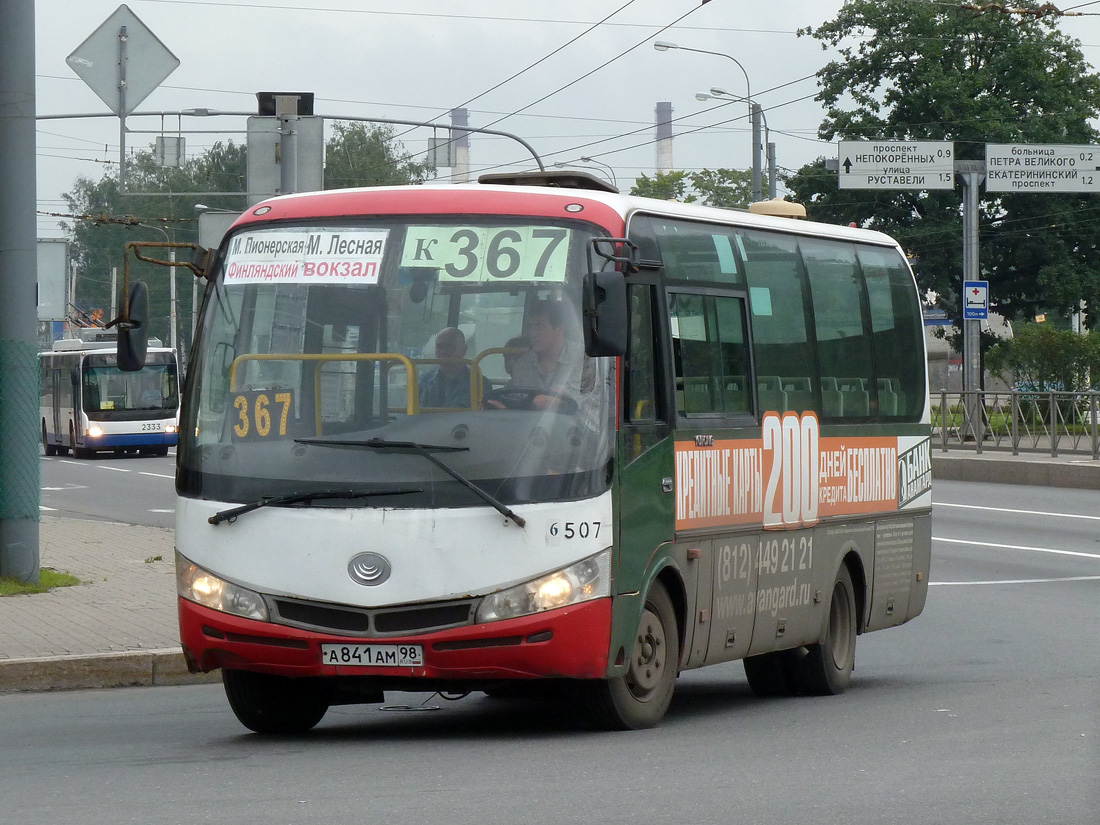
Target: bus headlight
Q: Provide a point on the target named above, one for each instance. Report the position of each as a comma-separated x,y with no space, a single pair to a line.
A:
197,585
94,432
169,428
581,582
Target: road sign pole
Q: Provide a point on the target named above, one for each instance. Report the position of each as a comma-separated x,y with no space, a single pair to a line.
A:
122,38
972,172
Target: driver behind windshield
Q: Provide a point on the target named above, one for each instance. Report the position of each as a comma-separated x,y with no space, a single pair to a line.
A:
555,364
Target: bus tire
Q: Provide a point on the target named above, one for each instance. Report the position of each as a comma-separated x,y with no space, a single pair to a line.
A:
826,669
275,704
773,674
47,447
640,698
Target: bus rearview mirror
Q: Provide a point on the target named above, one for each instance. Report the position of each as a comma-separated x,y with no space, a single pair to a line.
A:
605,321
133,330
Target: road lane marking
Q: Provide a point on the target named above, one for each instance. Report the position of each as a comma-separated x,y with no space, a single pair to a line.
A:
157,475
1010,510
1019,581
114,469
44,507
162,511
1018,547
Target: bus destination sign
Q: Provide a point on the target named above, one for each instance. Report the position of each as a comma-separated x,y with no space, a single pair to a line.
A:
1057,167
896,164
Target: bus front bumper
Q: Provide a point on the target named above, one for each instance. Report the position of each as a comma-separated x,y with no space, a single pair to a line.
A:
569,642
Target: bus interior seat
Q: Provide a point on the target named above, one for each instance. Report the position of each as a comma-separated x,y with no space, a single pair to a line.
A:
856,399
770,393
887,397
832,400
800,395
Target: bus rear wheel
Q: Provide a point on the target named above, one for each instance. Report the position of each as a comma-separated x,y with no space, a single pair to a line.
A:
826,669
773,674
47,447
640,697
276,704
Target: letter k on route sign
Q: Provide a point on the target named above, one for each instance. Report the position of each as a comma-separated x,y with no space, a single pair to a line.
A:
975,300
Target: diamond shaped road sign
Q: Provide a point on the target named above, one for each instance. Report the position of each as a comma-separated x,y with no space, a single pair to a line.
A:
122,61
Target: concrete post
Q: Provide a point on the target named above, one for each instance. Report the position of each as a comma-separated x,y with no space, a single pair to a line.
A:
20,474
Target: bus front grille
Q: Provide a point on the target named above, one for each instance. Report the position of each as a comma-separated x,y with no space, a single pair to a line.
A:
370,622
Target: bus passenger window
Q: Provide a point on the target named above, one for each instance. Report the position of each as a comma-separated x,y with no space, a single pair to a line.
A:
710,354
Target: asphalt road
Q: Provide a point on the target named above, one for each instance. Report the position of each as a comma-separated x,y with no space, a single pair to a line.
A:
128,489
986,709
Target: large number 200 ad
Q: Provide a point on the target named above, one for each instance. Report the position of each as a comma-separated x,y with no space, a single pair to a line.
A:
791,459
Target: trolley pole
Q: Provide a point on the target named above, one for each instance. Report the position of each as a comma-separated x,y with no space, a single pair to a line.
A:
20,474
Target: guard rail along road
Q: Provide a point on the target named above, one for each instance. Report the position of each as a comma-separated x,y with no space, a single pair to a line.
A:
1018,422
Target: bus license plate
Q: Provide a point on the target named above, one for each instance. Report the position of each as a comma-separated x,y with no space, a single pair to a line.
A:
372,655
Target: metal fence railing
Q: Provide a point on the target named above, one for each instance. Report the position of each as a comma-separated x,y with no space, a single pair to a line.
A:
1017,421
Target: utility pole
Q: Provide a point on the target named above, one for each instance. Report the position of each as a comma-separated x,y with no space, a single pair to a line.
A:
20,474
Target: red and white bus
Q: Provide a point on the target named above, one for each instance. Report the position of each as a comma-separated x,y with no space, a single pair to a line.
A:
533,433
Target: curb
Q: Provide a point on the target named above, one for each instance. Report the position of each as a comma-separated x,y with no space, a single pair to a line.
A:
138,668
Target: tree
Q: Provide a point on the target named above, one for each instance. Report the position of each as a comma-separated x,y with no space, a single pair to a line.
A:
105,221
1041,357
941,72
665,186
358,154
729,188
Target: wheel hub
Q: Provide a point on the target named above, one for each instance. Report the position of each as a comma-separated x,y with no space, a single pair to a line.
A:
648,660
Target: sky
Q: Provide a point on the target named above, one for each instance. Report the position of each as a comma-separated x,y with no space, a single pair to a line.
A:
574,79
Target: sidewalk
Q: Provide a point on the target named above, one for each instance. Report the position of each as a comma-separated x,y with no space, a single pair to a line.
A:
118,628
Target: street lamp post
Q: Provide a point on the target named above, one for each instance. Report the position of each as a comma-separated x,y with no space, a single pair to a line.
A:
757,116
755,113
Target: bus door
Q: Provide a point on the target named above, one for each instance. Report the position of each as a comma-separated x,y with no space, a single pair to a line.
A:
717,463
646,496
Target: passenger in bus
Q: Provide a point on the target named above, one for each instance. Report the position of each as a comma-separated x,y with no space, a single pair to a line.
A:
448,384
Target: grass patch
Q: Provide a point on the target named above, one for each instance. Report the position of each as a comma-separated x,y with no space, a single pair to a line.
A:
48,579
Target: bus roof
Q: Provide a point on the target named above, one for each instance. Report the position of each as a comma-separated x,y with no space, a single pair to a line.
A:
597,205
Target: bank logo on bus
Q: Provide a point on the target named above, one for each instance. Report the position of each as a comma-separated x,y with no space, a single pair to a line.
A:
791,476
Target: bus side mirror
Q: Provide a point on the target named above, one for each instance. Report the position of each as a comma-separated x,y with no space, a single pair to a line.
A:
133,330
605,322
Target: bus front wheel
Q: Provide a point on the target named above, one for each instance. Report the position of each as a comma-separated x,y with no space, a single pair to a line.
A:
275,704
640,697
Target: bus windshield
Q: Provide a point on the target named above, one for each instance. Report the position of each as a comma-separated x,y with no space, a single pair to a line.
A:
108,392
463,336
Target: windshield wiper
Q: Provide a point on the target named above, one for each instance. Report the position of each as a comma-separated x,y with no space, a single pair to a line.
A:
231,514
424,450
